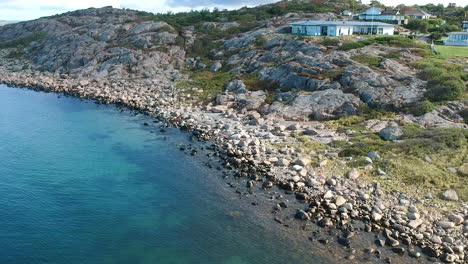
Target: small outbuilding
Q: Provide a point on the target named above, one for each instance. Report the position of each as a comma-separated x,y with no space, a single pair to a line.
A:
347,13
341,28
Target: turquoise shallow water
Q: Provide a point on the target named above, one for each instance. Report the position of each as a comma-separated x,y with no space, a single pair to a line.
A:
82,183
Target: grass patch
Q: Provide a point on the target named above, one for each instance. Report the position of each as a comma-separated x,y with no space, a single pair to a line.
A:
368,60
394,41
334,75
330,42
404,160
354,121
392,55
447,52
24,41
211,84
352,45
253,83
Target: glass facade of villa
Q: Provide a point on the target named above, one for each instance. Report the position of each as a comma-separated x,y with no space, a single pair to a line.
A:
457,39
340,28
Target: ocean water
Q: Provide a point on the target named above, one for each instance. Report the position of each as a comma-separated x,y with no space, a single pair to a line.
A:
85,183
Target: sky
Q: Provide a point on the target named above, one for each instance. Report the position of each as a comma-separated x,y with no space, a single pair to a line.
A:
31,9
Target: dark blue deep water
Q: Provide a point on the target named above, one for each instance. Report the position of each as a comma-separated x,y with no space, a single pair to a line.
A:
82,183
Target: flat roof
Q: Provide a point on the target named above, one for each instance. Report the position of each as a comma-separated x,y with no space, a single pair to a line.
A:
339,23
458,33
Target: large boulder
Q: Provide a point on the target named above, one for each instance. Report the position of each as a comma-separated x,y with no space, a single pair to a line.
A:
449,195
319,105
391,132
383,89
236,86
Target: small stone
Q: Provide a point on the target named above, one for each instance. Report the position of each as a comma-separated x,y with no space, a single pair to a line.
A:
302,162
427,159
380,242
376,216
331,182
325,222
381,172
449,258
456,219
392,242
297,167
301,215
302,196
353,174
282,162
415,223
267,184
215,66
445,224
431,252
413,216
436,240
450,195
373,155
328,195
452,170
340,200
413,253
399,250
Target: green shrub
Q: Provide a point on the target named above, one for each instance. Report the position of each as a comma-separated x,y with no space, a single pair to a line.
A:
253,83
430,72
211,83
330,42
371,61
446,81
444,89
398,41
421,52
464,114
392,55
436,35
421,108
260,41
352,45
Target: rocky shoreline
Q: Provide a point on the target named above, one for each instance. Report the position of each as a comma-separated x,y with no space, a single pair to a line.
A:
260,154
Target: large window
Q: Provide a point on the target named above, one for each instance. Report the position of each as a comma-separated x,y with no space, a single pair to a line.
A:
380,31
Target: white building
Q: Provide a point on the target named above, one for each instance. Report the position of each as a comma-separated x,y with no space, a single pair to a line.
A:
415,13
458,38
340,28
391,15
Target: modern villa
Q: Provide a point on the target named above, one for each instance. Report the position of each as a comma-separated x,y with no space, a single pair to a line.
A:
415,13
340,28
391,15
458,38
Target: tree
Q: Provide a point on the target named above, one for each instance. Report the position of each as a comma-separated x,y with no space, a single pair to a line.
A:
436,35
